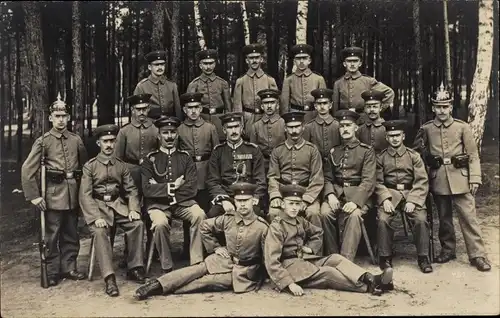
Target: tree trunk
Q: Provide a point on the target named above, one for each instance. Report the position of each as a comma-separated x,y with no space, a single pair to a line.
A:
36,62
422,114
79,110
301,30
175,50
10,102
105,104
3,104
447,44
246,28
158,20
479,96
199,28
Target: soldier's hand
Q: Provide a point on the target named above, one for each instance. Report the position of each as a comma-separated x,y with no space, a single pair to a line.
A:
388,207
152,181
409,207
473,188
296,289
276,203
307,250
179,182
349,207
134,215
228,206
100,223
39,203
333,202
222,251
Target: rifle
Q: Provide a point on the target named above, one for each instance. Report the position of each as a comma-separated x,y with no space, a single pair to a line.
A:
42,245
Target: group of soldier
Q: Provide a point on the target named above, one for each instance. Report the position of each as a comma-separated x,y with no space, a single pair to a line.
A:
267,182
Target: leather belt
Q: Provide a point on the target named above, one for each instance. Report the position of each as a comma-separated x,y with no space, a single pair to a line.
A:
105,197
447,161
347,184
252,110
300,107
212,110
301,183
205,157
133,161
400,186
246,262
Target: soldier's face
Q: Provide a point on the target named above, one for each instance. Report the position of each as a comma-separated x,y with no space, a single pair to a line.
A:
302,62
244,204
207,66
292,206
59,119
395,138
254,60
140,113
169,137
269,106
233,131
294,130
323,105
352,64
157,68
107,144
347,129
192,110
442,112
372,109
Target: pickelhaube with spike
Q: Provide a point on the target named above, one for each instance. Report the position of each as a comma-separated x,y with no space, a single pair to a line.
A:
59,105
442,96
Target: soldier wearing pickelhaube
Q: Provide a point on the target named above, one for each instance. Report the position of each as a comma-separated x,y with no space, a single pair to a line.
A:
64,154
450,152
216,98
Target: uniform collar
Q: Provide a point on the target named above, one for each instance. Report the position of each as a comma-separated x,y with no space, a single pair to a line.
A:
447,123
105,160
160,79
328,120
377,122
58,134
248,221
393,152
196,123
205,78
271,119
287,219
351,143
257,73
234,146
168,151
297,145
306,72
348,75
148,122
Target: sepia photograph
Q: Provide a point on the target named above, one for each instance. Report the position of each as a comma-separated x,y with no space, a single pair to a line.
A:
249,158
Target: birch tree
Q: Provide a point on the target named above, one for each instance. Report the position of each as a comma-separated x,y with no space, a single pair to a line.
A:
447,44
76,41
479,97
246,28
301,28
197,22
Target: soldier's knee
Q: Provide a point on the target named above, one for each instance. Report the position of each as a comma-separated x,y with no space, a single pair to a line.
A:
326,210
197,214
383,218
357,214
420,217
137,224
100,232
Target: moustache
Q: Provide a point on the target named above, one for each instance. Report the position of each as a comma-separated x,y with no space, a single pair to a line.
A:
169,140
234,135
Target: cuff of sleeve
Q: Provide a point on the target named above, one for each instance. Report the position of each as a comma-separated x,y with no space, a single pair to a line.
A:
416,200
384,196
475,179
284,282
360,202
308,199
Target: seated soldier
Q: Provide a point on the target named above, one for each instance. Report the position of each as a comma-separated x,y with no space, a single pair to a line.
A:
108,197
290,254
237,266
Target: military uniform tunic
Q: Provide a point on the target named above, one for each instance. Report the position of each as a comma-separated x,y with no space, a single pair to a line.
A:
324,133
373,133
267,133
165,96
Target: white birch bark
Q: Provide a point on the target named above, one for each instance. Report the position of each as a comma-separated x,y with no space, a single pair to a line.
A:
301,30
197,22
246,28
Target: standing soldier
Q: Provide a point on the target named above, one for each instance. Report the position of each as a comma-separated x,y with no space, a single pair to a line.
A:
298,86
349,182
165,96
296,161
216,97
451,154
347,89
245,96
402,184
109,198
234,161
64,154
372,131
169,185
323,131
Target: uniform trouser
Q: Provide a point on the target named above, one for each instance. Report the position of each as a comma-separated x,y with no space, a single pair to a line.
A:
466,209
336,272
330,234
215,120
63,241
418,223
350,231
312,214
161,236
104,250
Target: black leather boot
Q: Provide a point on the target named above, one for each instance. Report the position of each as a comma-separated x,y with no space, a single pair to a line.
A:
151,288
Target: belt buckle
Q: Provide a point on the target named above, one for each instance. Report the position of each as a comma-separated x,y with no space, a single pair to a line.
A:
212,110
236,260
294,182
400,186
347,184
69,175
257,110
446,161
106,197
306,107
198,158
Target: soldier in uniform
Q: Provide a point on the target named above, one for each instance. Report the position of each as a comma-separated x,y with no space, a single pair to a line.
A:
109,198
323,131
349,182
450,152
402,184
237,266
298,86
245,96
296,161
372,131
347,89
65,154
169,183
232,161
291,250
216,98
165,96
